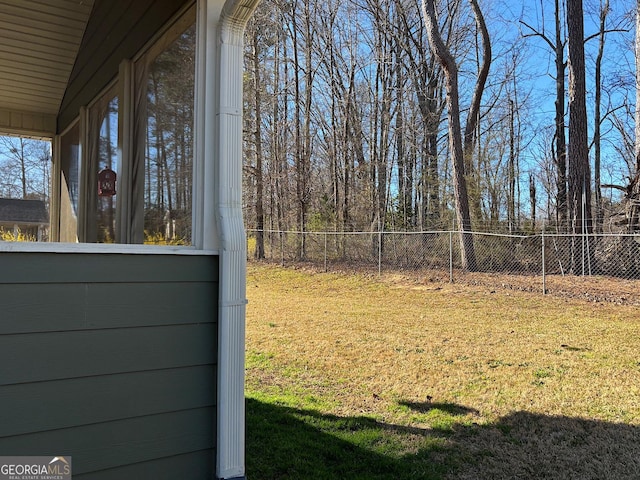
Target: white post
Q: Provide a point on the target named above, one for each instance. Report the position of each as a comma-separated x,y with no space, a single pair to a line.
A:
219,208
231,327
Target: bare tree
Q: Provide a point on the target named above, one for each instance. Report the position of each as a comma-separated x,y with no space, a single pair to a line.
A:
632,193
24,168
579,181
450,70
557,45
256,71
302,34
604,11
637,82
473,118
425,76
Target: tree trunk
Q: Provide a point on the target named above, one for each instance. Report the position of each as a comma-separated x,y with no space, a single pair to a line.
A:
561,144
511,170
455,135
637,112
259,253
532,199
597,120
473,119
23,169
579,170
632,208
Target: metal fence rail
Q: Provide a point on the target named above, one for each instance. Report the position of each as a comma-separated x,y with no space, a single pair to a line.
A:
541,255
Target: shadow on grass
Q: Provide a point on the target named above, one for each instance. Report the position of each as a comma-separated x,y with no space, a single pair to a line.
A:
288,443
449,408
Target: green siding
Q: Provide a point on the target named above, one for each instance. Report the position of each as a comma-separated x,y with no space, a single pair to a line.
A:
112,305
38,357
80,401
103,268
190,465
117,443
110,358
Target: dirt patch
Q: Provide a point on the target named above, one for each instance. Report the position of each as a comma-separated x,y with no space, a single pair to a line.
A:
589,288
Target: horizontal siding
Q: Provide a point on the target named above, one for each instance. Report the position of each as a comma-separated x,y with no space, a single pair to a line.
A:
39,357
26,308
82,401
39,267
110,359
121,442
187,466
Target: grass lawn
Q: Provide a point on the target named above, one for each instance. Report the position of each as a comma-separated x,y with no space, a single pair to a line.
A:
360,377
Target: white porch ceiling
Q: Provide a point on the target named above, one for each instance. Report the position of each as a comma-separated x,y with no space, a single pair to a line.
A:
39,41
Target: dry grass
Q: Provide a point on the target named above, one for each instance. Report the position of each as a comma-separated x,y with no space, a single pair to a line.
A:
540,384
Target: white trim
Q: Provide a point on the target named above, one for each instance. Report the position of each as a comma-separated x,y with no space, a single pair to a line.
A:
56,187
101,248
27,124
126,145
83,157
209,76
199,97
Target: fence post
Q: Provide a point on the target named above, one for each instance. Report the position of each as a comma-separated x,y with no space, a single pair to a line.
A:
544,271
450,257
379,252
282,247
325,252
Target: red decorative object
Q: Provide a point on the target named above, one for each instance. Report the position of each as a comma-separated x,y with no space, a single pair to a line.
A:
106,183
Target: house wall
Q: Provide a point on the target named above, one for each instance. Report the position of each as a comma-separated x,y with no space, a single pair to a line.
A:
110,359
117,30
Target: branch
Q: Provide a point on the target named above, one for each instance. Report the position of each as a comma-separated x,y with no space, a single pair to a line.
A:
537,34
597,34
617,187
474,109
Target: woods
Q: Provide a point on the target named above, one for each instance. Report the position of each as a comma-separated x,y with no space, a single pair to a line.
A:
352,121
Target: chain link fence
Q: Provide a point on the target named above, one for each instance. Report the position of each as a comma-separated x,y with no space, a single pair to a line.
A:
530,262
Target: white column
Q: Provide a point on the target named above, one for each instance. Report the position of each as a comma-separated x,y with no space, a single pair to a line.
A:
56,187
218,209
231,331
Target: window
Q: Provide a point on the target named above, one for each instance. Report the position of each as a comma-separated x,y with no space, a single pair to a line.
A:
70,188
141,128
107,159
102,153
169,142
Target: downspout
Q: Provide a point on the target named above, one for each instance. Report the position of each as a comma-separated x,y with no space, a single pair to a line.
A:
223,228
232,294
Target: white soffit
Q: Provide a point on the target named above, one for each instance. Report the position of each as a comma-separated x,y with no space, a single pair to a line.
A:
39,41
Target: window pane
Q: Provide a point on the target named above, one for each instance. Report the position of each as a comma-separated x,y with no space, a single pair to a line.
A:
108,158
70,188
24,188
169,146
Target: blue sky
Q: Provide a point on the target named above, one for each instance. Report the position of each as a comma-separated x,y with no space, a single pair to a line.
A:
618,63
